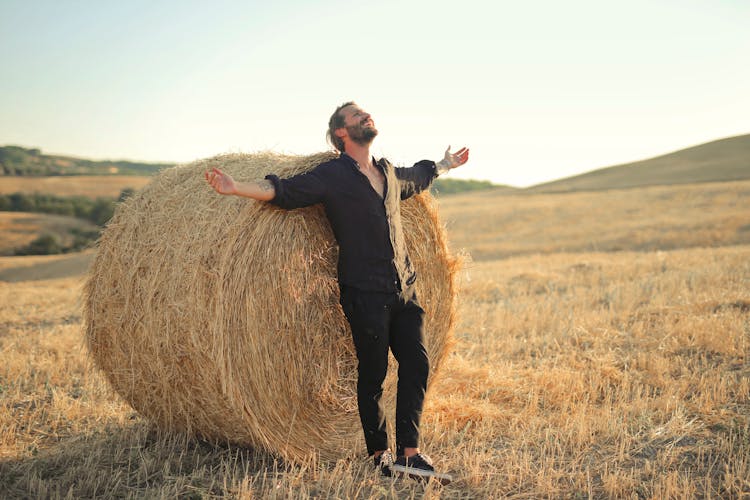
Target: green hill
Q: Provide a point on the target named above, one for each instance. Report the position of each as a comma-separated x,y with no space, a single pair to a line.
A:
722,160
15,160
452,186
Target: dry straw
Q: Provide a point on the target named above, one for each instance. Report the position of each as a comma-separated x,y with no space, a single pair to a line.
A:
218,316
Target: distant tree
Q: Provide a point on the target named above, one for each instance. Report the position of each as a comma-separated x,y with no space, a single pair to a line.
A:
102,211
20,202
451,186
81,207
98,211
82,239
45,244
125,194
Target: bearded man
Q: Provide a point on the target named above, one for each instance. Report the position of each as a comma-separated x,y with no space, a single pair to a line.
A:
361,197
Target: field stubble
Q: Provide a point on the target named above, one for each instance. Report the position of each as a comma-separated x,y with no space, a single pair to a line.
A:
582,374
653,218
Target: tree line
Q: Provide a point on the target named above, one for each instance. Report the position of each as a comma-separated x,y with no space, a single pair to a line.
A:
96,210
100,210
453,186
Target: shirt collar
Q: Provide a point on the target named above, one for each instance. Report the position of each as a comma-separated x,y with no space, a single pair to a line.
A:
380,163
348,158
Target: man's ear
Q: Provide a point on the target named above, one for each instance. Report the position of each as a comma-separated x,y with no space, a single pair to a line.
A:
340,132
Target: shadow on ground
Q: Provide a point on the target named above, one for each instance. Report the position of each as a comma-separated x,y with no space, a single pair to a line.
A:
137,461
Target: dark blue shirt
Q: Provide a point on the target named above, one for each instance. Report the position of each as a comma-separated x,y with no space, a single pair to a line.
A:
372,250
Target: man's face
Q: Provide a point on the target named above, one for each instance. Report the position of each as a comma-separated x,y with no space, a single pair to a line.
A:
359,125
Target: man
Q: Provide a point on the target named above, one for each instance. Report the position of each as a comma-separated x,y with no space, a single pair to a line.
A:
361,197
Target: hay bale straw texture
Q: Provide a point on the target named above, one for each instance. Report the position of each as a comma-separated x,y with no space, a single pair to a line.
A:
219,316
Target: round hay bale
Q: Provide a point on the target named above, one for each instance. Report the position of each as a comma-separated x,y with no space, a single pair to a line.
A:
218,315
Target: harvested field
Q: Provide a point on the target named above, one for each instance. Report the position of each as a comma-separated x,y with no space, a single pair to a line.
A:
94,186
493,225
576,374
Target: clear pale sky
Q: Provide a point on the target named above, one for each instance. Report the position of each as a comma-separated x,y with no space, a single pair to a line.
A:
538,90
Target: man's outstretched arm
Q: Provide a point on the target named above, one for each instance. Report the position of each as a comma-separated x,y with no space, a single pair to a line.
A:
452,160
223,183
415,179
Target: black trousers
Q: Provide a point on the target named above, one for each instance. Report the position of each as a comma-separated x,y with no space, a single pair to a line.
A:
380,321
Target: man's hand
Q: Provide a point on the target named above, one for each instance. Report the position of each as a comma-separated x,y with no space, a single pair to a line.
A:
221,181
452,160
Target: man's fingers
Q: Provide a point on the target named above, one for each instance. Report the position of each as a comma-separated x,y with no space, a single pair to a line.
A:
463,154
216,179
213,180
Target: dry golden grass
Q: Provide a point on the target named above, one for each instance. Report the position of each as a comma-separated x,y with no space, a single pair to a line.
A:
576,375
495,225
107,186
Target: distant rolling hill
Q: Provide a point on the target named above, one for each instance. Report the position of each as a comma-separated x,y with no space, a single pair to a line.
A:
722,160
446,186
26,170
19,161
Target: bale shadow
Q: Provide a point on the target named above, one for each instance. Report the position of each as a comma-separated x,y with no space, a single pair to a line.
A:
136,461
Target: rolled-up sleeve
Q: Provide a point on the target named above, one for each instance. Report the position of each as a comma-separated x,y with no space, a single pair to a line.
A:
299,191
415,179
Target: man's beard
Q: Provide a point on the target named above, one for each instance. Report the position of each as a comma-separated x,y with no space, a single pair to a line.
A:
360,134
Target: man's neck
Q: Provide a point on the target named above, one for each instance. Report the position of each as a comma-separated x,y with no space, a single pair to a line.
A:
360,154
